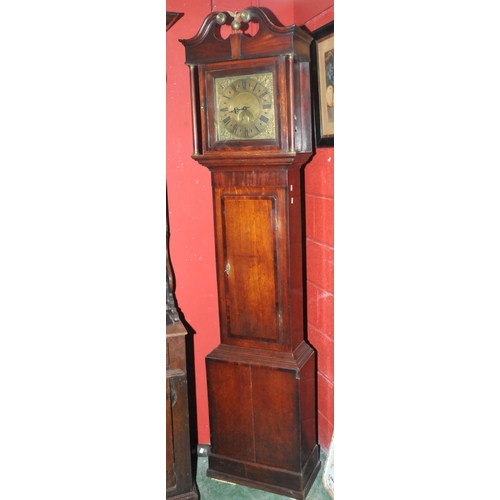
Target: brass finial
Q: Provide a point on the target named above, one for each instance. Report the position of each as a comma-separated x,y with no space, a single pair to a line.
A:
245,16
238,18
221,18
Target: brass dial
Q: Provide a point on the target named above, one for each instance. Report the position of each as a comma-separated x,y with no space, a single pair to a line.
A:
245,107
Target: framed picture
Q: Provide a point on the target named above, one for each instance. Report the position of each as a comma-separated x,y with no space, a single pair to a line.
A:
322,84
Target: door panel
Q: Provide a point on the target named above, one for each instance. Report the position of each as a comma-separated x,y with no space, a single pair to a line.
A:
249,225
231,420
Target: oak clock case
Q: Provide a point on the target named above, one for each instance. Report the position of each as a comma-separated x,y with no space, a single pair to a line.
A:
250,98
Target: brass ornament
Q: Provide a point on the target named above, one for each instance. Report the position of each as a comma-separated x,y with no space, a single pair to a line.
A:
245,16
238,18
221,18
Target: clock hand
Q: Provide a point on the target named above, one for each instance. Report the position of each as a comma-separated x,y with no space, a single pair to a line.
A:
237,110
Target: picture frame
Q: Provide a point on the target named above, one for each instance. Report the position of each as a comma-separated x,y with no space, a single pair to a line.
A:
322,62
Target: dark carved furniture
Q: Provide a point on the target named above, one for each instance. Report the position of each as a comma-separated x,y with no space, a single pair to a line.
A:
180,484
252,128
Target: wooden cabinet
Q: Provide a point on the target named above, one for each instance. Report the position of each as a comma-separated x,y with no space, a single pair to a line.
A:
180,485
252,129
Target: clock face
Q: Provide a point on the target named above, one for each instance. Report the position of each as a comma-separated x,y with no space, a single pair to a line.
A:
245,107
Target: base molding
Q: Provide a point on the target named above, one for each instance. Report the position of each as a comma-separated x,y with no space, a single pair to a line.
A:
190,495
263,477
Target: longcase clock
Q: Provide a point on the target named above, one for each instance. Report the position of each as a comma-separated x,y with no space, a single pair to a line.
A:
251,114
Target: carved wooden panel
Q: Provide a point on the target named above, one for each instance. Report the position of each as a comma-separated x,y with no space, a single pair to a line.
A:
179,474
170,443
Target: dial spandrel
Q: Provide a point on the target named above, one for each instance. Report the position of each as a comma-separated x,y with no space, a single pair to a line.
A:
245,107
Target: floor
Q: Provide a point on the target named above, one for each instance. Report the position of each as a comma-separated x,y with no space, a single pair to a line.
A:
211,489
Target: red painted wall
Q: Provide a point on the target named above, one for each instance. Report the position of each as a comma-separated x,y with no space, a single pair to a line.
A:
319,250
192,247
189,191
311,13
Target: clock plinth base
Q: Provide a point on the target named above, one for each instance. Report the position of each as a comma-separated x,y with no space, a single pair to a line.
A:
263,418
281,481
